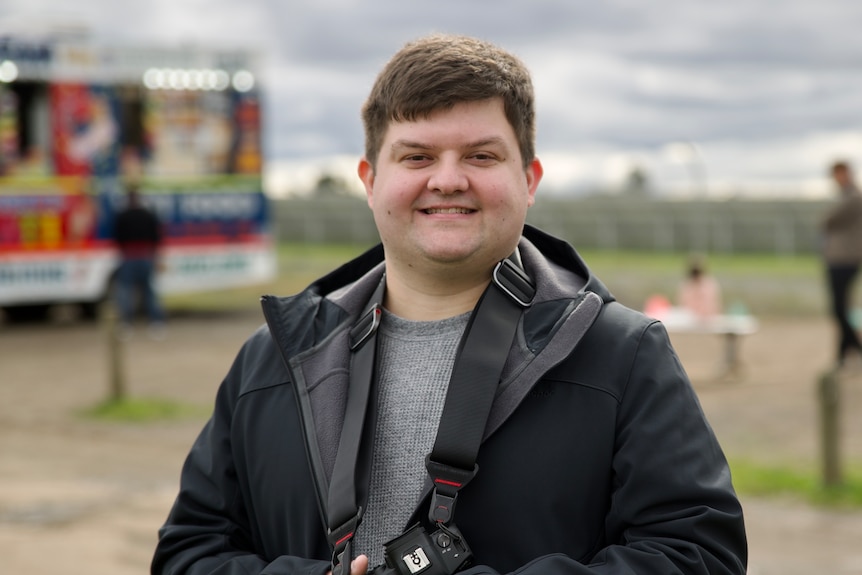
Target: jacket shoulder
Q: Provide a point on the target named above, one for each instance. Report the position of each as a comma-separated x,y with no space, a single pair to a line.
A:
258,364
615,320
616,348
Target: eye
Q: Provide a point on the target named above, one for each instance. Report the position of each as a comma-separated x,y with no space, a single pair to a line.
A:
483,157
416,160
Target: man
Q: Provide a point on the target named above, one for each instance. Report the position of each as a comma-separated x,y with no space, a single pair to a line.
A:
842,252
595,455
137,232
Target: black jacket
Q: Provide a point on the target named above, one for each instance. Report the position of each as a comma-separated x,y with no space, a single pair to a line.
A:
137,232
597,456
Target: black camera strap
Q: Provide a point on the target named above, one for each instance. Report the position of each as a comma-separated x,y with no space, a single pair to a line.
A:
473,385
476,373
344,509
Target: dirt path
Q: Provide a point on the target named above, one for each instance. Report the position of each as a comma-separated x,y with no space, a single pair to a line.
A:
80,497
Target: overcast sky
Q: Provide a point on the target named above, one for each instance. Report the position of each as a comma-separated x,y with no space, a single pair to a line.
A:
731,96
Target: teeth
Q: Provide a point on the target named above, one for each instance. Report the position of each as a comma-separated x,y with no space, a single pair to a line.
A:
447,211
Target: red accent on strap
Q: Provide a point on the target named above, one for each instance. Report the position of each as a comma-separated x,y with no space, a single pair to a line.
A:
445,482
345,538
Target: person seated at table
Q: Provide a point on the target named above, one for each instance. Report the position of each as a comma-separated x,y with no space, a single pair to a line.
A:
699,293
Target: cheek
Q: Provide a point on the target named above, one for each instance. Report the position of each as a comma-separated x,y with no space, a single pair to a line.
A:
394,195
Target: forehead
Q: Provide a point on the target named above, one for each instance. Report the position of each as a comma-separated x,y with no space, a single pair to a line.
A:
465,121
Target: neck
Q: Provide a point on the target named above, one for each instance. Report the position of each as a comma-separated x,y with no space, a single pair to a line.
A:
420,298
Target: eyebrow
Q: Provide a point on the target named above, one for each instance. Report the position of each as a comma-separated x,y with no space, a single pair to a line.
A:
399,144
489,141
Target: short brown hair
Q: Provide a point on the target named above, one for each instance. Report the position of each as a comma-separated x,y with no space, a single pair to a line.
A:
438,71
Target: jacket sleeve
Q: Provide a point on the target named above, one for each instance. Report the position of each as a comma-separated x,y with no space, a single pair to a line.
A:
673,509
207,531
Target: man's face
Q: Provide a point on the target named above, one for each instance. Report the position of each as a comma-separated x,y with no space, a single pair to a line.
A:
451,188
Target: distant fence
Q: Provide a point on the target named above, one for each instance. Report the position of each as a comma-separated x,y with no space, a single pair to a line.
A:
786,227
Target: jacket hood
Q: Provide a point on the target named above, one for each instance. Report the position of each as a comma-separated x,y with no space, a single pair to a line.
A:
555,266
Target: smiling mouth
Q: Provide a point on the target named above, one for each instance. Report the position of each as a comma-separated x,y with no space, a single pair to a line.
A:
448,211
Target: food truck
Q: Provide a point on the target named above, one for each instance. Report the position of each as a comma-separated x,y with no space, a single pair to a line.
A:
80,122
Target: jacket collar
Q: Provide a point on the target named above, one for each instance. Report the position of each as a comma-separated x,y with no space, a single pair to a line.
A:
554,265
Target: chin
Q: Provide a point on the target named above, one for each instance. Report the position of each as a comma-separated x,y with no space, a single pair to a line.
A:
448,257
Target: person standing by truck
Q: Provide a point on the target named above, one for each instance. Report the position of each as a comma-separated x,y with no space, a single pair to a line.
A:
137,232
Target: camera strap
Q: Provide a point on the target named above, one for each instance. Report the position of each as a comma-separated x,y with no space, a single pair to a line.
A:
473,385
344,509
476,373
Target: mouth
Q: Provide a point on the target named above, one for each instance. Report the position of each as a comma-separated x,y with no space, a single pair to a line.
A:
448,211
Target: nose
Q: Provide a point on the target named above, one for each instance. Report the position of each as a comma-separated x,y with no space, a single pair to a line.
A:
448,177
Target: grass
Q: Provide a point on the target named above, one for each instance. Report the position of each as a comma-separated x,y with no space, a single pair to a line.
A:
674,262
764,284
750,478
142,410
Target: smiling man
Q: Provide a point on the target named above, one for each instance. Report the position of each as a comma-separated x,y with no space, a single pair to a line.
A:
468,359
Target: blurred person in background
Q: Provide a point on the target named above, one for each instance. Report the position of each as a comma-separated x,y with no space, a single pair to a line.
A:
592,453
699,293
841,237
138,235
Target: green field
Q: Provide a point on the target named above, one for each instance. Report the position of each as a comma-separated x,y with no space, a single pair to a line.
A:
763,284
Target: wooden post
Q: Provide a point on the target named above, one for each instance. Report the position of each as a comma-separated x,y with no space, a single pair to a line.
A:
731,359
829,395
116,356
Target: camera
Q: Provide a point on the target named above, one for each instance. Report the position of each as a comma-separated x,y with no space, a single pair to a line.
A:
442,552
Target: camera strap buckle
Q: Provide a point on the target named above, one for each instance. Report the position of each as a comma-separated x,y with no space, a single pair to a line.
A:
448,480
442,507
341,539
365,327
514,282
341,561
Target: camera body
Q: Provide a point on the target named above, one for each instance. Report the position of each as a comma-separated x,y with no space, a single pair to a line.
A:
442,552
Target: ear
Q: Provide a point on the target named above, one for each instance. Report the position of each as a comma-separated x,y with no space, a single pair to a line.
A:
534,174
366,174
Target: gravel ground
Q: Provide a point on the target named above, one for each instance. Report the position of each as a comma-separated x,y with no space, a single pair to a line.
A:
80,497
